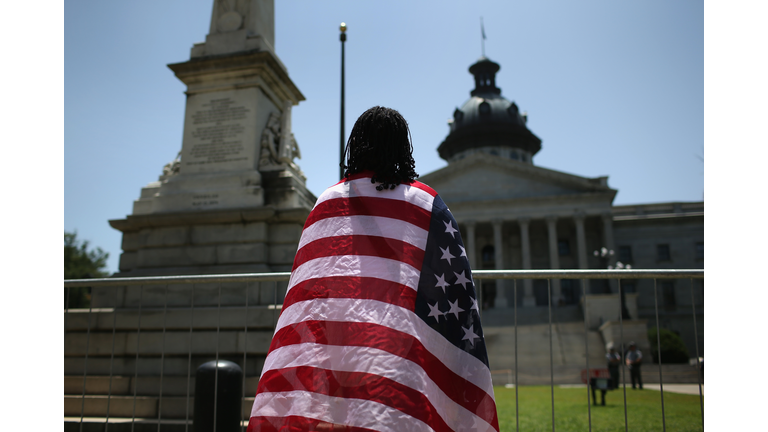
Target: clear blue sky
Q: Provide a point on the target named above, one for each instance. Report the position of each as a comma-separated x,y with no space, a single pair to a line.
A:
612,88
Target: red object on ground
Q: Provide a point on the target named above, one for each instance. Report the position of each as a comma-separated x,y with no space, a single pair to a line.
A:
594,373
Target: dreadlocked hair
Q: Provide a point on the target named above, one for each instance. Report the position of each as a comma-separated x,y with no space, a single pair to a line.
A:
381,142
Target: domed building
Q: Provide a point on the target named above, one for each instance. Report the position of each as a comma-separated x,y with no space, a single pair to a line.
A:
515,215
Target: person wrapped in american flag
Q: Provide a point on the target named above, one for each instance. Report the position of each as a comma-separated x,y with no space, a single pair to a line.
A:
380,327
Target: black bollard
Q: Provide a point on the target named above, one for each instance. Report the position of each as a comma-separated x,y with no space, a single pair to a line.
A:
226,409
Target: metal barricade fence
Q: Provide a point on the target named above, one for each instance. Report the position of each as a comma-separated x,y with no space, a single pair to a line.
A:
151,399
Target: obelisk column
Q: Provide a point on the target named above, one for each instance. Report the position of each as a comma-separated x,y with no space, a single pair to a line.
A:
554,257
528,298
501,295
239,26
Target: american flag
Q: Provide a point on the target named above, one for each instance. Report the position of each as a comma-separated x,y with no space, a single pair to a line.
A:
380,327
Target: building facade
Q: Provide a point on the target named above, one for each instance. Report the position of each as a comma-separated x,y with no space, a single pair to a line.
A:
516,215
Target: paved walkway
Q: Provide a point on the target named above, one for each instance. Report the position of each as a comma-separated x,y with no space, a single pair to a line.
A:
692,389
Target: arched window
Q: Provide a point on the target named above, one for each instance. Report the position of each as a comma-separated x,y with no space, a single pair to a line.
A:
484,108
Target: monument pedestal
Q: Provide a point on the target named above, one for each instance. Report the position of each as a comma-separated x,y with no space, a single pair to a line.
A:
233,201
201,192
285,190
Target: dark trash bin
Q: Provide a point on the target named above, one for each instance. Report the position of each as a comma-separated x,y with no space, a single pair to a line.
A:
224,404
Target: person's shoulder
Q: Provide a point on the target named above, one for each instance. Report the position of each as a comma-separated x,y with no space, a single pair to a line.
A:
331,189
362,183
367,175
422,186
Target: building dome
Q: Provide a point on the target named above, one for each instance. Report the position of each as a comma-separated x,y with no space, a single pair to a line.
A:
488,122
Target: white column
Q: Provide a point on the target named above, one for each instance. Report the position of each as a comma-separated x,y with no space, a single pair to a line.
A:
554,257
501,295
470,249
581,245
471,252
525,241
608,242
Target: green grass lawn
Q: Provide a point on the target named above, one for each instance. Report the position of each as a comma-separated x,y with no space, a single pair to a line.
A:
682,412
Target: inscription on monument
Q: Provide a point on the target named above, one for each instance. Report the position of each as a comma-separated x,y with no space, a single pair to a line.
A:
204,200
218,133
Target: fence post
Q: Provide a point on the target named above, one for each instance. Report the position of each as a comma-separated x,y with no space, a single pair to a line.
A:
218,411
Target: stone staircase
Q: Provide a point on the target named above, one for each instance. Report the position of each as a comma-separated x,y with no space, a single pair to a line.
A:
151,351
149,403
569,355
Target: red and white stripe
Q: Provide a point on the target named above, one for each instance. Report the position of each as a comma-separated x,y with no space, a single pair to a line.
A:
348,349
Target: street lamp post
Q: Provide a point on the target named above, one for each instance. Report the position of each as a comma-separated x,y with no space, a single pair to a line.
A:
342,38
604,253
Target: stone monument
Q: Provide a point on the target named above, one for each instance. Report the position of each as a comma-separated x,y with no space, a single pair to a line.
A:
234,200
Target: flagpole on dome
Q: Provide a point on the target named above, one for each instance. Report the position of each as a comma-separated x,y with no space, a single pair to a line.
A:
482,31
342,38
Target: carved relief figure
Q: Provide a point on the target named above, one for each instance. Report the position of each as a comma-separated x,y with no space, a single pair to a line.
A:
172,168
270,142
278,145
288,149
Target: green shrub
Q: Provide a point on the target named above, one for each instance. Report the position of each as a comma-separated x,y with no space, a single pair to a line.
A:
81,263
673,350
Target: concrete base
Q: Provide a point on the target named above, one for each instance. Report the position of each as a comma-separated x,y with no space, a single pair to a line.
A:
533,353
286,189
569,356
117,424
529,301
501,303
146,407
98,424
205,242
600,308
201,191
631,330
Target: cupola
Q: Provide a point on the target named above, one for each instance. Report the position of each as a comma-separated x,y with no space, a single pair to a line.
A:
488,122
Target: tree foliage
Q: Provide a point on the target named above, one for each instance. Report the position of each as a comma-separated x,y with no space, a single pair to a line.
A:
81,263
673,349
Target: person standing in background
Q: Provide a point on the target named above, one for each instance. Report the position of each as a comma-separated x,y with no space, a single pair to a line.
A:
634,359
613,361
